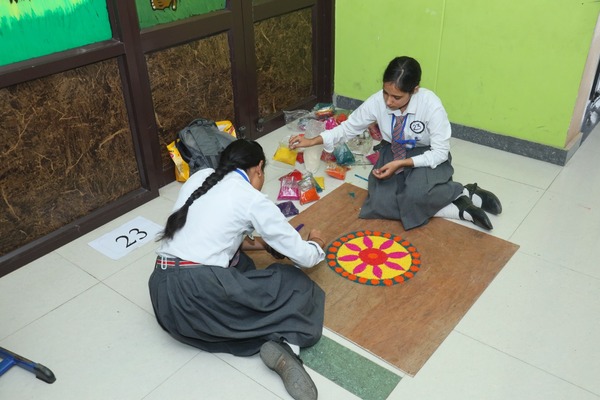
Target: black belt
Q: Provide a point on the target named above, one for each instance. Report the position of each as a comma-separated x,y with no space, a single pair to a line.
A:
174,262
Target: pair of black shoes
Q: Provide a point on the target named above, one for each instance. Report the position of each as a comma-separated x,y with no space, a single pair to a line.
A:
279,357
489,203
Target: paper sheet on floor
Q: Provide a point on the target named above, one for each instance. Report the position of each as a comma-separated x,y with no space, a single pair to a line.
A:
126,238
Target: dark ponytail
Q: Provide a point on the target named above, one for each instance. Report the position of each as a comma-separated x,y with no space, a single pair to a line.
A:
404,72
242,154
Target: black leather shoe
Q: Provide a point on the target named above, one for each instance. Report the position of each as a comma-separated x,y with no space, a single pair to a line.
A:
480,218
489,201
280,358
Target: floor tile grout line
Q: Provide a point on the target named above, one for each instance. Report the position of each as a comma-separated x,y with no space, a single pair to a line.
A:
505,178
252,378
167,378
53,309
129,300
525,362
557,264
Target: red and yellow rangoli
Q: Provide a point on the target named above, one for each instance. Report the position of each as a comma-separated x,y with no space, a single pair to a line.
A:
374,258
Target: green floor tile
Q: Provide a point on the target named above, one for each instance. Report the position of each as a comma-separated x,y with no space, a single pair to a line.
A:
350,370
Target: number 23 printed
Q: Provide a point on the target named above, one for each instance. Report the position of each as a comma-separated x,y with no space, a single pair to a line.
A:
134,235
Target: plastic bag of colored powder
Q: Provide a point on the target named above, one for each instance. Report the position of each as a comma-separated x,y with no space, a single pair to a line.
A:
284,154
288,208
336,171
308,192
288,189
343,155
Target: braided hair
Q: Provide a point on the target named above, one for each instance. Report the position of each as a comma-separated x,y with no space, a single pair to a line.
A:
404,72
242,154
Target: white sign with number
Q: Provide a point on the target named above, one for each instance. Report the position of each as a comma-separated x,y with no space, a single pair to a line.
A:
129,236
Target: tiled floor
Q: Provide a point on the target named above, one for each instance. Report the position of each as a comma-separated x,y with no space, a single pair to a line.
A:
533,334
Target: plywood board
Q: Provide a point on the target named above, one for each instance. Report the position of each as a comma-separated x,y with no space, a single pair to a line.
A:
404,323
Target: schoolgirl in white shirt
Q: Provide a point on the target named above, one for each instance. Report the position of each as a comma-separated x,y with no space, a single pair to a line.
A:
412,179
207,292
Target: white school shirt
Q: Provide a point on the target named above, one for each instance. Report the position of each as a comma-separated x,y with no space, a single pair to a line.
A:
426,121
218,221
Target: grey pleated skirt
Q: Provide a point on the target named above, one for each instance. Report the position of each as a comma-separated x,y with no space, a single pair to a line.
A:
235,310
412,196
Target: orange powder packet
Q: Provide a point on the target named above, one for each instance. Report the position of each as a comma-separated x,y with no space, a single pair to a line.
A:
336,171
309,196
308,191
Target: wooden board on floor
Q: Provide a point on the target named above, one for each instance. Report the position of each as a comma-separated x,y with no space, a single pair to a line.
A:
405,323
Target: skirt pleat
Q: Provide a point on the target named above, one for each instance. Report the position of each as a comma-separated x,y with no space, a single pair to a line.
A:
237,309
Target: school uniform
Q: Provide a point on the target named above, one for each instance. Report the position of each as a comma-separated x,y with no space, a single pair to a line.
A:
209,295
416,194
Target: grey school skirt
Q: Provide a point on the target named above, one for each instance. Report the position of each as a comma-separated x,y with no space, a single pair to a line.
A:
235,310
412,196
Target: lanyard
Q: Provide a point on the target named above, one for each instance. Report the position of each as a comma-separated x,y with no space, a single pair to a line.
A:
239,171
410,143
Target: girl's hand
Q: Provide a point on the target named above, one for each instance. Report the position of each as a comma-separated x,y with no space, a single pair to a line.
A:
259,243
273,252
387,170
297,141
315,236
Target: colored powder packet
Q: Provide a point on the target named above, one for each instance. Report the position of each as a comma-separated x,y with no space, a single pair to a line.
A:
339,118
343,155
373,157
336,171
308,192
321,182
297,175
288,208
314,181
331,123
288,189
327,157
284,154
375,132
308,196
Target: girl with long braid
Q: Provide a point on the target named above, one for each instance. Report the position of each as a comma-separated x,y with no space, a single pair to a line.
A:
206,291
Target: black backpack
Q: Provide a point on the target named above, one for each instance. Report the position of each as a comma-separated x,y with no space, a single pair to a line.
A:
201,143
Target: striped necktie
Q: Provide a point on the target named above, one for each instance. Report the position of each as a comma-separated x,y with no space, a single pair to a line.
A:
398,150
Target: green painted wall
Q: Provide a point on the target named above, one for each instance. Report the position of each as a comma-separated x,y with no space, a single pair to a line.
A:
510,67
36,28
165,11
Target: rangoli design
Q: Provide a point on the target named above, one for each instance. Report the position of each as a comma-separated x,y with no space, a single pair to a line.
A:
374,258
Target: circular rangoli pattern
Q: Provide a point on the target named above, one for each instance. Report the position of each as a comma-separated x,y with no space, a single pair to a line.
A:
373,258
